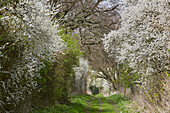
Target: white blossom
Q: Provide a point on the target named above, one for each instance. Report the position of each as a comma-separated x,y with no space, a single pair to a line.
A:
143,39
31,29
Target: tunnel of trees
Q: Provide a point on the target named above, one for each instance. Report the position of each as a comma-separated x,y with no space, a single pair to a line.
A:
47,47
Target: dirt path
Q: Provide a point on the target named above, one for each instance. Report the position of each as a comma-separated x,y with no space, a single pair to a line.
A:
115,105
101,105
89,105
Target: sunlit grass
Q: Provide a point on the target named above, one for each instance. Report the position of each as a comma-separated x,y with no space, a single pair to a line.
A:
89,103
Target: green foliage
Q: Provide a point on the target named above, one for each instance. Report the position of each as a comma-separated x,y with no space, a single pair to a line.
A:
71,43
127,77
57,77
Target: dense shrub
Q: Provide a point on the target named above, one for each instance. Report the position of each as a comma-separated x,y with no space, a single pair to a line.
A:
33,67
57,77
143,42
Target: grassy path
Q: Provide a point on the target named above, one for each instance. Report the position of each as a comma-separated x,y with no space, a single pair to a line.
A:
86,104
101,105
